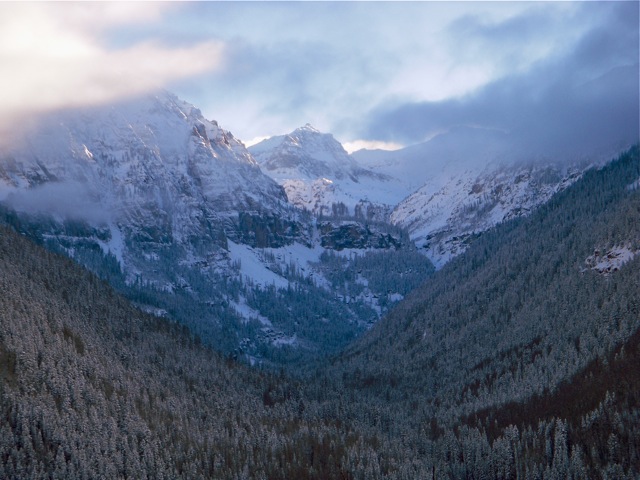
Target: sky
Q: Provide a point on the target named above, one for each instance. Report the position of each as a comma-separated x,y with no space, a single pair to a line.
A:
374,74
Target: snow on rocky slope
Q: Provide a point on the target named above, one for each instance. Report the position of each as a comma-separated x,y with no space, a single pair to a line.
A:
153,169
464,182
448,211
321,177
443,192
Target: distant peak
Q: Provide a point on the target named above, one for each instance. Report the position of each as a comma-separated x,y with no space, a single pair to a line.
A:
307,127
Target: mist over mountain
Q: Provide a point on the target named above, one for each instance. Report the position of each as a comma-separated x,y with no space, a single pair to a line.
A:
444,192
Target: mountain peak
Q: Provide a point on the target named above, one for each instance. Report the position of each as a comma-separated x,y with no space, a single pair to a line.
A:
307,127
306,151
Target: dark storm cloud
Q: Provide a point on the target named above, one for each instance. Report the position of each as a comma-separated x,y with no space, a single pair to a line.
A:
513,40
585,97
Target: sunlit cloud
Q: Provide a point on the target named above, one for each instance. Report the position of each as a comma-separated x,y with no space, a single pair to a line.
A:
255,140
356,145
57,55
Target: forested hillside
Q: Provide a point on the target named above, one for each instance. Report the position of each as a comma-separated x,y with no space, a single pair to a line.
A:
519,359
524,328
92,388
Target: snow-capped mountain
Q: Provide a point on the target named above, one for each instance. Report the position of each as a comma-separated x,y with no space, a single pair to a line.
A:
153,170
444,191
320,176
449,211
177,214
466,181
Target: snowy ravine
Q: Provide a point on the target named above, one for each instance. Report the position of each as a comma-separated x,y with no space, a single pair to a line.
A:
177,214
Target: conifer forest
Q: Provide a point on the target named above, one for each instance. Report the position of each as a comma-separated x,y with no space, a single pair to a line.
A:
518,359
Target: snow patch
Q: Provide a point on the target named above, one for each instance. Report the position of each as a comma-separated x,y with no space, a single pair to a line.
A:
248,313
115,245
634,186
396,297
157,312
252,267
281,341
607,262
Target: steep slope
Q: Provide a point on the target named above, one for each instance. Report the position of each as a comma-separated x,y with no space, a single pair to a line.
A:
473,365
318,175
451,209
465,181
90,387
522,300
153,169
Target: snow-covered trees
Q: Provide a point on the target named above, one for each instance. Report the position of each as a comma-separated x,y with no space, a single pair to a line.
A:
511,362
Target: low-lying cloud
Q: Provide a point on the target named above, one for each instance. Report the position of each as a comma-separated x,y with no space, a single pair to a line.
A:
65,200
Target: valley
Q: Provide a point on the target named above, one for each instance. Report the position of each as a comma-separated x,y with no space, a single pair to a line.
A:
420,333
92,386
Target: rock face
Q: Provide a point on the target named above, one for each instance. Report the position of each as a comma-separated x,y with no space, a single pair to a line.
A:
154,171
447,213
355,235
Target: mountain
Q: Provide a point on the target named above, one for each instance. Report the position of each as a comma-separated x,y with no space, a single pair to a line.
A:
497,298
152,169
177,214
465,181
452,209
445,192
320,176
518,359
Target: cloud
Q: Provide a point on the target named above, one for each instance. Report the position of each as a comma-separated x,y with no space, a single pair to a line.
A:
272,88
67,200
356,145
289,63
583,97
57,55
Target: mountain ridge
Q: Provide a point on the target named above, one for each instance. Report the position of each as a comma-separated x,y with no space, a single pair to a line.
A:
320,176
178,215
445,192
